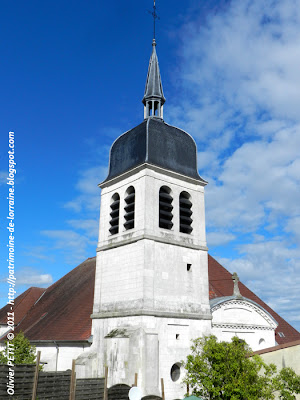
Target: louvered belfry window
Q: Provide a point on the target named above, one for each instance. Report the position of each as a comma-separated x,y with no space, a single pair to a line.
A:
185,212
165,208
129,208
114,214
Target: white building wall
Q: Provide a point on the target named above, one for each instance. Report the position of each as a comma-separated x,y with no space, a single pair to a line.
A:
245,319
58,356
284,356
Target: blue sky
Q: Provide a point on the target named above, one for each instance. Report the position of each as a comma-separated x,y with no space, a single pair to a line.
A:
72,80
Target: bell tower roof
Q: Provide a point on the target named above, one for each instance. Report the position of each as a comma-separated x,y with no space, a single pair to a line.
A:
153,88
157,143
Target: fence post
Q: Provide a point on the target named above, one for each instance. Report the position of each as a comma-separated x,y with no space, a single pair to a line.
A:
135,379
162,389
73,382
105,394
36,375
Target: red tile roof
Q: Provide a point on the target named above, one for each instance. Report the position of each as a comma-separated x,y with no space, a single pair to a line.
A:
23,304
63,312
221,284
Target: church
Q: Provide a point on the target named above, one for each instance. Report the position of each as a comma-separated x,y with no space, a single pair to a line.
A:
152,286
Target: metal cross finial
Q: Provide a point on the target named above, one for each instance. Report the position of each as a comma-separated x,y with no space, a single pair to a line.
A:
155,16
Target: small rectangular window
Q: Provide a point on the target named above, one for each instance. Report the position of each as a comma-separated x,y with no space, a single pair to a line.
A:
177,336
188,267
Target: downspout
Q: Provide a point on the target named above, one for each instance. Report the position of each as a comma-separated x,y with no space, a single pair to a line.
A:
57,351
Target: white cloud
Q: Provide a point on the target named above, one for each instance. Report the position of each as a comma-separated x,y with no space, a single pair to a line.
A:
3,176
89,180
240,69
89,226
258,183
89,192
293,226
38,252
243,61
219,238
29,276
271,268
75,245
72,245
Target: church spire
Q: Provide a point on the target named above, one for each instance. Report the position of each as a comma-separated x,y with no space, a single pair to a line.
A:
153,97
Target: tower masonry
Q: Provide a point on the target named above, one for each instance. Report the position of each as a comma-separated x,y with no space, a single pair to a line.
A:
151,289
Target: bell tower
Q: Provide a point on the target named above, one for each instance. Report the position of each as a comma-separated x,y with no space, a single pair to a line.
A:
151,289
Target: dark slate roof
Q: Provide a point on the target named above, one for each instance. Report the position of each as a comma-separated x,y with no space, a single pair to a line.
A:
23,304
156,143
63,312
221,284
153,88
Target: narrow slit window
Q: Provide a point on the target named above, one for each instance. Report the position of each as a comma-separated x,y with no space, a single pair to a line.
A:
165,208
114,214
185,212
150,108
129,208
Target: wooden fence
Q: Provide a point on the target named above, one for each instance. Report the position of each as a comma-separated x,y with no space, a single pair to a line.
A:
32,384
23,382
53,385
94,387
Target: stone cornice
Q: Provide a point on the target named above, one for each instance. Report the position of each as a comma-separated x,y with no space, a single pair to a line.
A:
243,326
134,239
60,342
152,313
153,168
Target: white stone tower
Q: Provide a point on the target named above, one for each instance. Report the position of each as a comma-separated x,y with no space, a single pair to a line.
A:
151,289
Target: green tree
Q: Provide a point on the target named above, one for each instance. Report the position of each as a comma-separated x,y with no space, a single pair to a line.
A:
23,351
230,371
286,383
